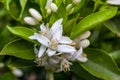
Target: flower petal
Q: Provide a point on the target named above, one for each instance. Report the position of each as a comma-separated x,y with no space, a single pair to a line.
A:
56,25
41,50
43,27
65,40
57,34
50,52
65,49
41,39
78,53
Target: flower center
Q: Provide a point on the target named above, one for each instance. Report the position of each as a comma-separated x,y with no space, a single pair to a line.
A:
54,44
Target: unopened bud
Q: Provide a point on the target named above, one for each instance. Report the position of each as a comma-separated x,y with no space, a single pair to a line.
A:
113,2
34,13
84,43
85,35
48,10
30,21
54,7
17,72
69,6
76,1
2,65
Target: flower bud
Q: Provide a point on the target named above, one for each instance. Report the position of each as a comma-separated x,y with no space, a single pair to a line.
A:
85,35
17,72
69,6
48,10
84,43
34,13
54,7
30,21
113,2
76,1
2,65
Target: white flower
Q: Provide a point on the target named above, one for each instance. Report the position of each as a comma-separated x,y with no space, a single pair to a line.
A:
30,21
34,13
56,42
113,2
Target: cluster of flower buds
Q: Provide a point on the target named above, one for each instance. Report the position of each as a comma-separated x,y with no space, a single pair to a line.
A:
50,7
35,19
57,51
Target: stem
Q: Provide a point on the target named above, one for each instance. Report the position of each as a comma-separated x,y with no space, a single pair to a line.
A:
49,75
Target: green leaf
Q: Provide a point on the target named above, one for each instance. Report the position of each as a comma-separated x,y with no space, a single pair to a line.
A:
19,48
92,20
67,27
79,71
15,8
7,76
101,65
115,55
20,63
22,32
111,26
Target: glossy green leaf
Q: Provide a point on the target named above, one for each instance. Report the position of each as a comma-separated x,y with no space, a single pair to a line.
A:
19,48
79,71
20,63
15,8
22,32
101,65
92,20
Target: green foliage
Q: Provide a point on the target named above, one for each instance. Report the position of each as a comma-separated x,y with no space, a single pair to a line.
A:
101,65
15,8
92,20
19,48
22,32
7,76
20,63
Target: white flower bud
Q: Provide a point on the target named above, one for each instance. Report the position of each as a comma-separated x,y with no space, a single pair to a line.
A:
34,13
54,7
17,72
69,6
2,65
85,35
113,2
76,1
48,3
30,21
48,10
84,43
